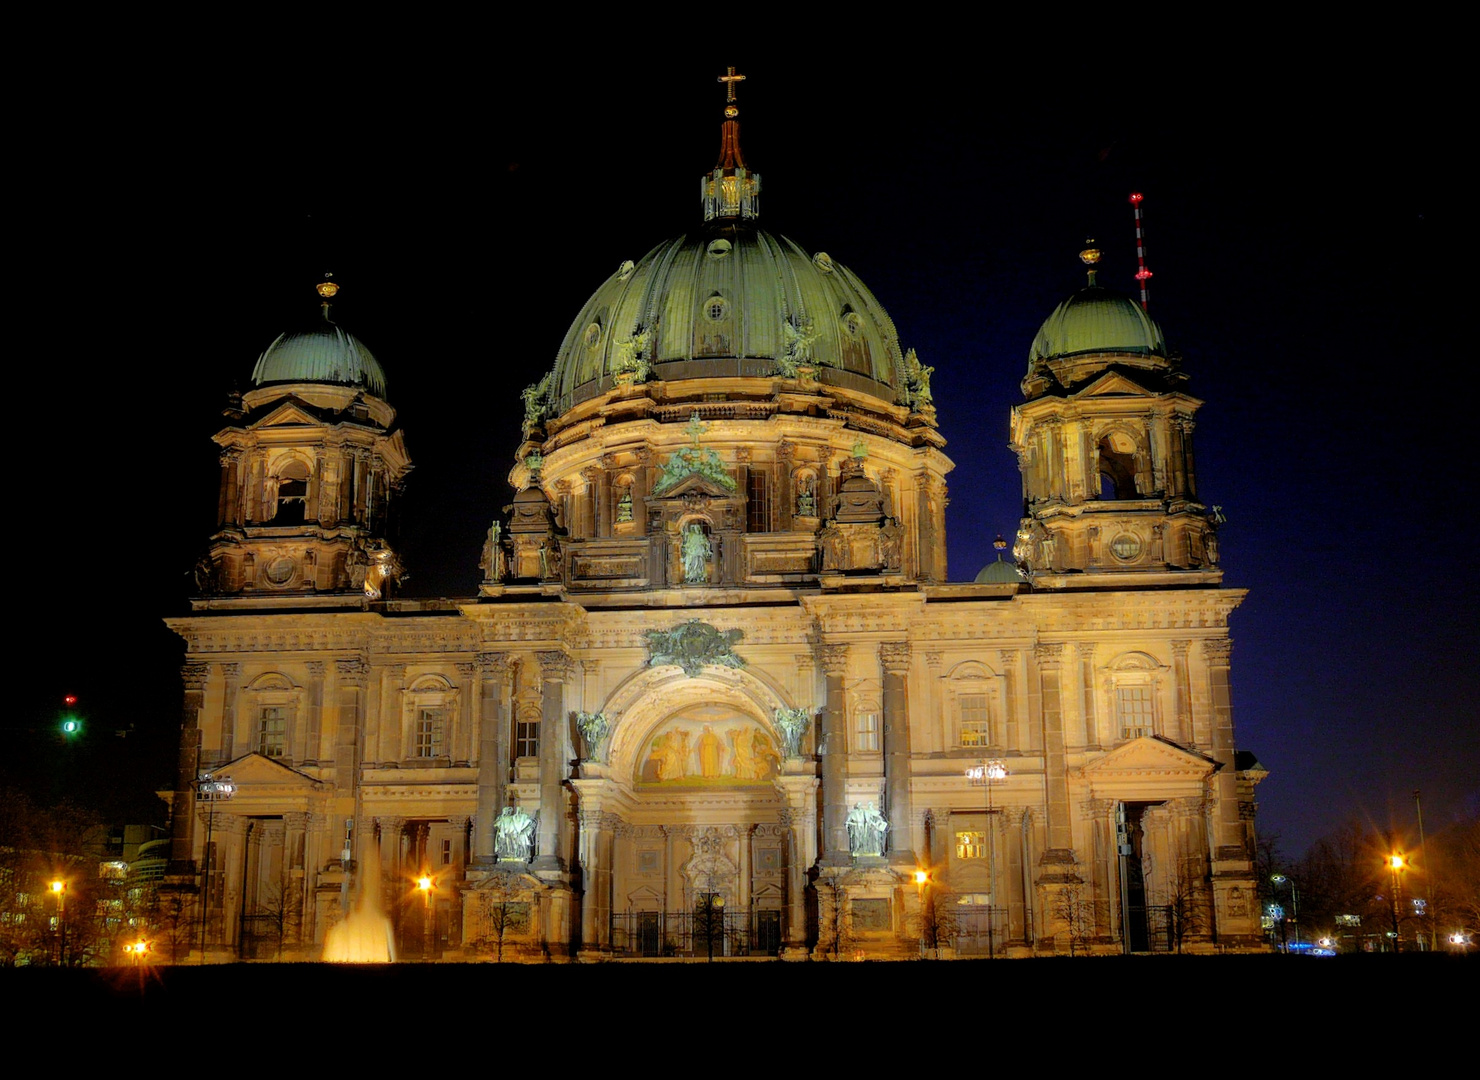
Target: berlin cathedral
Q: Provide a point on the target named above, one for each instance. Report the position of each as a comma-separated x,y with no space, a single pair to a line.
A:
715,694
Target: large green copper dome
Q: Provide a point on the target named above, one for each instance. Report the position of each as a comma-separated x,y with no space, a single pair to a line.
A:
326,353
724,301
1096,320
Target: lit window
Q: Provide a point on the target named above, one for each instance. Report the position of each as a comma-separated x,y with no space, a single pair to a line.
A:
526,739
973,712
272,731
866,732
757,503
428,734
971,844
1133,706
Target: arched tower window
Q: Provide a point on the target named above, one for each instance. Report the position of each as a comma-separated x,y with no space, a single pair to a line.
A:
1118,466
292,493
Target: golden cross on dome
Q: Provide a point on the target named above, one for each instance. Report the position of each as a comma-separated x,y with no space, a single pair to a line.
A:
730,80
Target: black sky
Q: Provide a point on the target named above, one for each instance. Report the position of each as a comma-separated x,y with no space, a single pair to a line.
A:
172,228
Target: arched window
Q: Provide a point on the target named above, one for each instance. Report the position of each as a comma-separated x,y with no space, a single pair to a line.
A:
1117,453
430,711
292,493
1133,683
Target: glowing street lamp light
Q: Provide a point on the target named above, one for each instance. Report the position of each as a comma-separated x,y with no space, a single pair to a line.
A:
425,885
1396,866
59,890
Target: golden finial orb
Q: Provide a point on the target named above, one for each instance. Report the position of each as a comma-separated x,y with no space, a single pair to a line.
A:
731,112
326,288
1091,254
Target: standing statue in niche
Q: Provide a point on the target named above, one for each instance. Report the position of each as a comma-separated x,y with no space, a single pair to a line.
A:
697,551
492,562
513,835
624,508
866,829
807,500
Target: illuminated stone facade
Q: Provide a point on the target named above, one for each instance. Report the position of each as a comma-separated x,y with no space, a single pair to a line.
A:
716,692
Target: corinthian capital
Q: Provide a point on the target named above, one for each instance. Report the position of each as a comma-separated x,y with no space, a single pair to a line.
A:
894,657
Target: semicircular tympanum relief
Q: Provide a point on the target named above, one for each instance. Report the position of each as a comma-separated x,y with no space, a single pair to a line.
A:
707,745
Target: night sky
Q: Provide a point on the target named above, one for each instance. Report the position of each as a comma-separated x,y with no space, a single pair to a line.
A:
169,235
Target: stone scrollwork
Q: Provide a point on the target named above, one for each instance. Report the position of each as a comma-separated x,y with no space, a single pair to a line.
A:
793,724
593,727
692,645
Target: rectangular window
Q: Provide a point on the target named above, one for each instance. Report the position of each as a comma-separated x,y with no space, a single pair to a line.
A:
1133,706
971,844
974,720
526,739
866,733
427,741
757,503
446,852
272,731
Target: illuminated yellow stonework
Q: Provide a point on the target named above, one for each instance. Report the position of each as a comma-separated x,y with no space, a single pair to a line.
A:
830,680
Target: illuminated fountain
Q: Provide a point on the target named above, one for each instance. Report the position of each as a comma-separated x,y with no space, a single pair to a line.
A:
363,936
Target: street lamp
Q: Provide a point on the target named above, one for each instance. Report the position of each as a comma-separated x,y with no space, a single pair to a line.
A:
1396,865
209,790
59,890
425,885
1281,879
984,774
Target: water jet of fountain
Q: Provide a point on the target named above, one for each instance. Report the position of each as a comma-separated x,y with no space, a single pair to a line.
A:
364,935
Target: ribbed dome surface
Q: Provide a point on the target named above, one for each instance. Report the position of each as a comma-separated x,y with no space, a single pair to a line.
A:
1097,320
1000,573
325,354
725,301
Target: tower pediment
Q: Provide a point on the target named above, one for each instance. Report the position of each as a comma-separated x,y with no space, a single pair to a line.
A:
1114,384
290,412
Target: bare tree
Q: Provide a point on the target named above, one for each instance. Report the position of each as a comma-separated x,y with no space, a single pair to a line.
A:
501,913
1186,901
939,918
834,932
1074,907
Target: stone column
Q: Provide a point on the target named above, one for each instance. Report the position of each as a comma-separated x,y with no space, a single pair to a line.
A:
554,671
230,835
297,913
182,820
894,658
1182,694
1013,876
1013,704
460,738
493,753
1055,765
351,674
834,749
313,721
231,674
1228,828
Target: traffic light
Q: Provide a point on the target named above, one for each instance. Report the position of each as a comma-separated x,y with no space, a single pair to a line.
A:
70,723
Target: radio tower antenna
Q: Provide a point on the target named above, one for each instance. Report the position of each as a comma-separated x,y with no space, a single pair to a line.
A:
1142,274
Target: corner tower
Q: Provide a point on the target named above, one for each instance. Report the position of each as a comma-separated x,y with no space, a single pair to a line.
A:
1104,444
311,463
730,412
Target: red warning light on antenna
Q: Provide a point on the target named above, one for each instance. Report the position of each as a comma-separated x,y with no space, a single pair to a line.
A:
70,699
1142,274
1136,197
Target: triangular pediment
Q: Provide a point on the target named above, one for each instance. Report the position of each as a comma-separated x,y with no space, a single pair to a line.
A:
697,484
1148,768
1114,384
255,771
290,412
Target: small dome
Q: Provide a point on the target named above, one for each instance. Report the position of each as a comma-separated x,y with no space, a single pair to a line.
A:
1096,320
1000,573
730,300
325,354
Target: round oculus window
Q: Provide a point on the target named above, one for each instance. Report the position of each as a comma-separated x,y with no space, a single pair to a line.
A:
715,308
1125,547
593,335
718,249
281,570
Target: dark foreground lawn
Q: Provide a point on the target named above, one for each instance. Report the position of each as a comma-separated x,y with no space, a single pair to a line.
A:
561,1008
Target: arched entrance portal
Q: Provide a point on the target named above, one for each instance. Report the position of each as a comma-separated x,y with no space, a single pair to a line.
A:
687,843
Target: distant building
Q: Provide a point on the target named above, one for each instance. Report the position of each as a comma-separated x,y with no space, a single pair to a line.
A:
716,691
